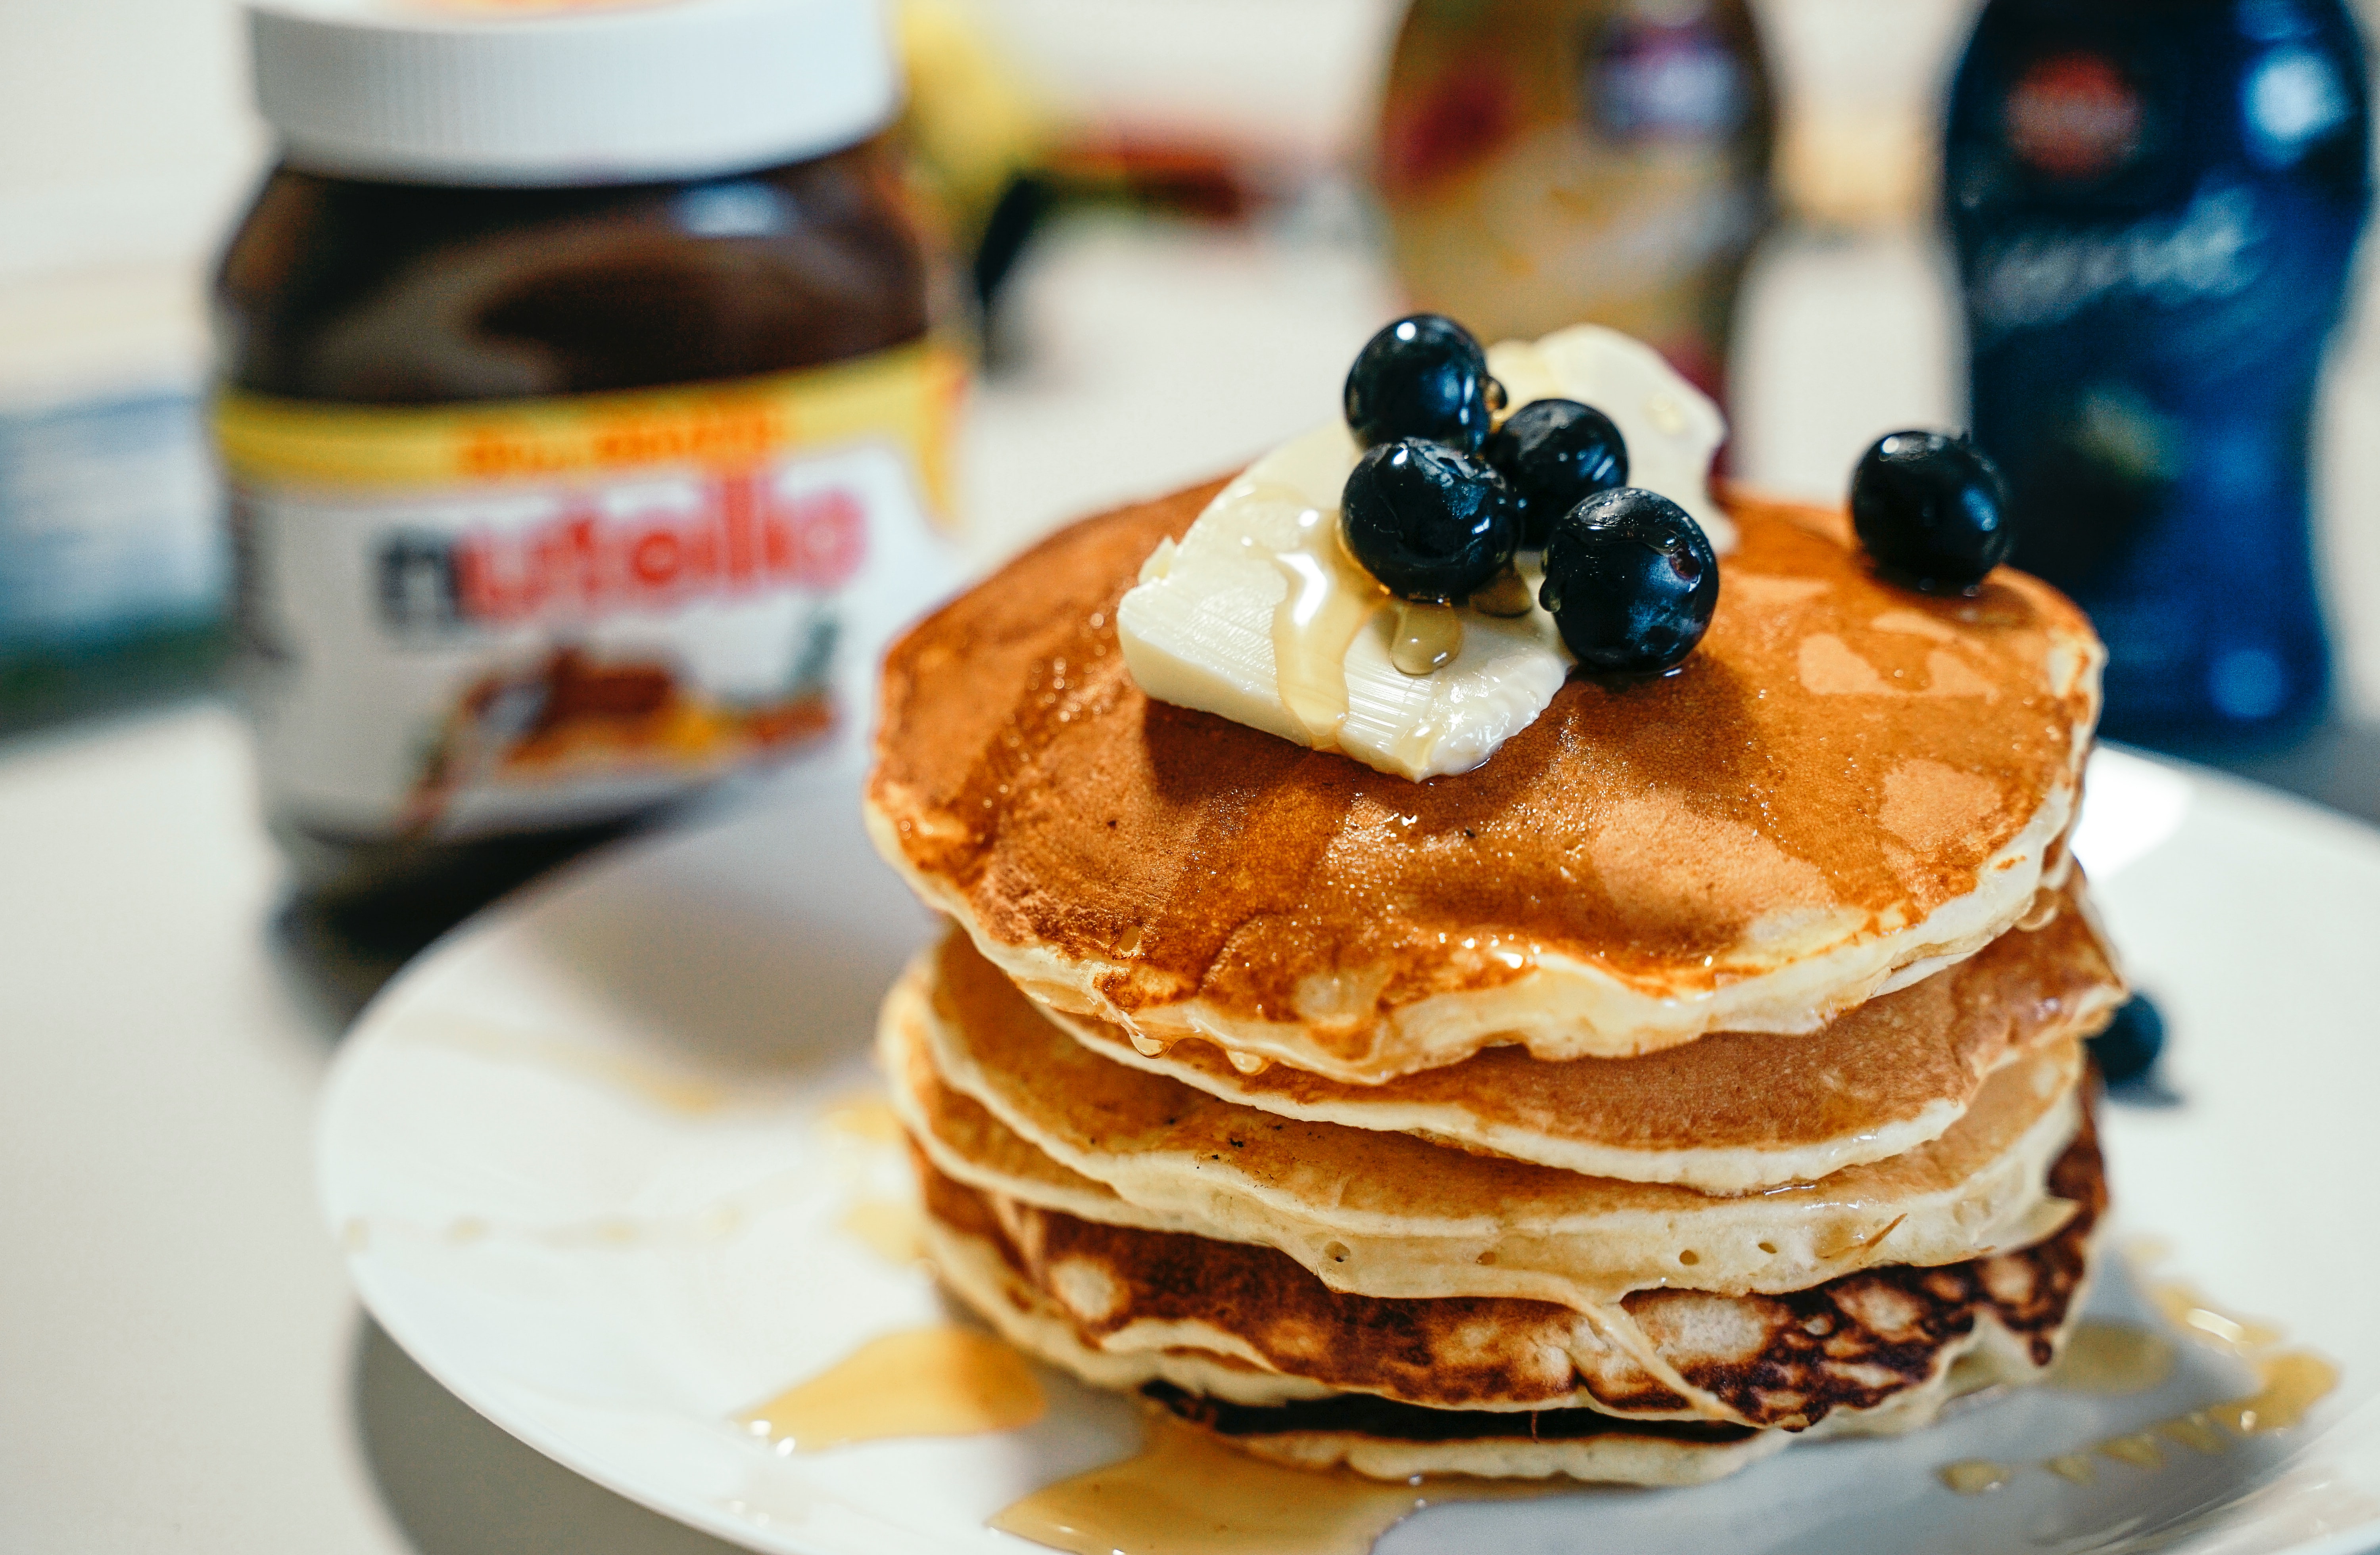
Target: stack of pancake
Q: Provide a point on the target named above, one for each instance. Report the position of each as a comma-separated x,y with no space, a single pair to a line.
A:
1701,1072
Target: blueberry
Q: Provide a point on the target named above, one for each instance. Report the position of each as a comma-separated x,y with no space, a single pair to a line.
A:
1932,509
1428,521
1558,452
2129,1047
1423,376
1631,581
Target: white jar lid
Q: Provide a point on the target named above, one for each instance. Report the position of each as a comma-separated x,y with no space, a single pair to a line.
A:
585,92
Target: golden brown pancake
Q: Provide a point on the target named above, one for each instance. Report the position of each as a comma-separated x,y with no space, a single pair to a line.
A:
1002,1100
1852,1344
1846,785
1729,1112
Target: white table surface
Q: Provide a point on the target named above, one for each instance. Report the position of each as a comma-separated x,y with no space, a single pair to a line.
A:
181,1365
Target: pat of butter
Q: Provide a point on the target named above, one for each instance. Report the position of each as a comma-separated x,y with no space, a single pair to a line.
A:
1261,616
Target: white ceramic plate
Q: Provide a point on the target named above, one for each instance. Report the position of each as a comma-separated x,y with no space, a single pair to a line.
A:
585,1159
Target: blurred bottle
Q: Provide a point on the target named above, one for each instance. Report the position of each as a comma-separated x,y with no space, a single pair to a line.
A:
111,551
1545,162
2156,203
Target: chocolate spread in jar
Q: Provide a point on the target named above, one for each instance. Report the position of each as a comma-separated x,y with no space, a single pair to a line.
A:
560,450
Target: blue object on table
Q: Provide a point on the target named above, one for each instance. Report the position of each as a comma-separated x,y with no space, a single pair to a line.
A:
2129,1047
2154,205
109,524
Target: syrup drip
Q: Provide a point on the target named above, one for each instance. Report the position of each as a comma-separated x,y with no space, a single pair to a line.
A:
2118,1358
2201,1319
2193,1430
2291,1384
1186,1494
1329,599
1427,637
2111,1359
939,1382
891,1228
2122,1358
867,1116
1976,1475
2075,1466
1506,596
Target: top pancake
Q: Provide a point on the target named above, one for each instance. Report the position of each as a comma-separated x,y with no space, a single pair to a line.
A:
1848,786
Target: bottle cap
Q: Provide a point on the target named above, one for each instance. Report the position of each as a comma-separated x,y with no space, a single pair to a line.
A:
517,92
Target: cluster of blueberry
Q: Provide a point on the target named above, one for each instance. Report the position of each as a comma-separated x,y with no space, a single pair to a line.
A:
1444,498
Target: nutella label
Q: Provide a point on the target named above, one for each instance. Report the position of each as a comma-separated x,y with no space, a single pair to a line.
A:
461,619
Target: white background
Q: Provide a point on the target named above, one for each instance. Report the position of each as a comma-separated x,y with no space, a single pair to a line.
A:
181,1366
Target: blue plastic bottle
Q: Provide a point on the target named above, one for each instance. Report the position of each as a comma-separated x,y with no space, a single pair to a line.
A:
2154,205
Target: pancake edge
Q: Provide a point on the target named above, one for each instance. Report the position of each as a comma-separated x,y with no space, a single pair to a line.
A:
1483,1260
1562,1008
972,1269
1727,1171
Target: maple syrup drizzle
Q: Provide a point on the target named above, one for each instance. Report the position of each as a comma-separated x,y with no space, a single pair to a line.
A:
1506,596
2118,1358
864,1116
2290,1384
2111,1359
936,1381
2074,1466
894,1229
1427,638
1974,1477
1329,600
2201,1319
1186,1493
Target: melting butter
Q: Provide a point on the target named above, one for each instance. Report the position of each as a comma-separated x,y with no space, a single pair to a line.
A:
936,1381
1258,614
1186,1494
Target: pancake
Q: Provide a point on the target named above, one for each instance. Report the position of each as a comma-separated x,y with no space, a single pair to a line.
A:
1253,1335
1847,786
1004,1101
1727,1114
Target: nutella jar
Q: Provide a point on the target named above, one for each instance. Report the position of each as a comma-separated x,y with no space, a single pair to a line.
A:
580,411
